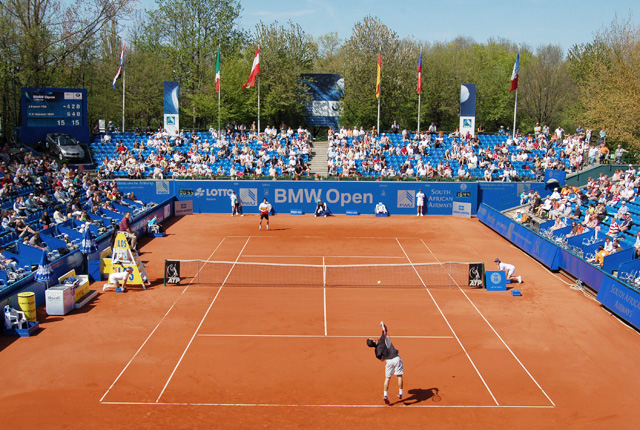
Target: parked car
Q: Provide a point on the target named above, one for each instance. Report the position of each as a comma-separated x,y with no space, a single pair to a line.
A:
65,146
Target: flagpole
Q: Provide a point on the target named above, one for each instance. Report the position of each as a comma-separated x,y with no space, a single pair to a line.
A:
219,91
379,86
420,93
258,104
378,116
123,92
515,112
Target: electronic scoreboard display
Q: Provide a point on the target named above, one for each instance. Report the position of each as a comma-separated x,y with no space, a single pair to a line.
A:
48,110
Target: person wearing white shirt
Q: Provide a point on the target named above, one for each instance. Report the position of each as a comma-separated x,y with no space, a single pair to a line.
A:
420,202
510,270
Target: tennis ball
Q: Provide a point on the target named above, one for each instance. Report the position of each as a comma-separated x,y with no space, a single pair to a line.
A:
379,282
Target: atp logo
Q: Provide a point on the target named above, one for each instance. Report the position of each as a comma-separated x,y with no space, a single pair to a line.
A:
171,120
406,198
466,122
249,196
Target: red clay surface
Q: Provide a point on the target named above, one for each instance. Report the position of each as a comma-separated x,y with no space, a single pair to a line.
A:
281,357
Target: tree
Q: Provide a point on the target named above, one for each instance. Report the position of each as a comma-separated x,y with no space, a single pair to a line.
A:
547,90
608,74
187,34
399,58
285,53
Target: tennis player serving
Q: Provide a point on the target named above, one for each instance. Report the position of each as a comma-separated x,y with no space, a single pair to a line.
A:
385,351
264,209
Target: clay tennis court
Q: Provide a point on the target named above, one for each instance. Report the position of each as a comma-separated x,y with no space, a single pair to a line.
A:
282,354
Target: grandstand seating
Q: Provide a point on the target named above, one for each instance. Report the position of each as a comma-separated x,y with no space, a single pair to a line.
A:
524,169
103,150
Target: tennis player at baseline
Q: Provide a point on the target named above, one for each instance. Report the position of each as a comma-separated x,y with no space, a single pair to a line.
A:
510,269
264,209
385,351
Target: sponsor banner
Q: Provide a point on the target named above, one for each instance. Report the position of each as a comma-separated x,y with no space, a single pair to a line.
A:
558,175
171,107
325,91
172,272
621,300
461,209
537,246
171,124
340,196
476,274
467,125
183,207
496,280
467,109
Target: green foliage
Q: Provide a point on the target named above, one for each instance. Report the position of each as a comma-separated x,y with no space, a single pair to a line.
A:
285,54
77,43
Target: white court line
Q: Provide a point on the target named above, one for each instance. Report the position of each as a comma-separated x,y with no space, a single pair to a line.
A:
293,405
318,256
200,325
450,327
156,327
265,236
324,292
496,333
303,336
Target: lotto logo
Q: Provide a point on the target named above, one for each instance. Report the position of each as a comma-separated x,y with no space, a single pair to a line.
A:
249,196
406,198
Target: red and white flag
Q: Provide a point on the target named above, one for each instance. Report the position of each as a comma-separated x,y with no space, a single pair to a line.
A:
255,70
419,88
119,68
514,75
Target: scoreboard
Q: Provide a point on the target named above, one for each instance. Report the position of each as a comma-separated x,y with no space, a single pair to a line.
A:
49,110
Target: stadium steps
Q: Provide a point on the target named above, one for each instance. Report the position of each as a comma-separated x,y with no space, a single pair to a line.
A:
318,163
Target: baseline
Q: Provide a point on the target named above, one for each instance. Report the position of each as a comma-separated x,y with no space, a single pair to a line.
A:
496,333
154,329
200,325
450,327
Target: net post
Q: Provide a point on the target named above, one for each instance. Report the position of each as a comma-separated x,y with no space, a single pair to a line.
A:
484,280
164,274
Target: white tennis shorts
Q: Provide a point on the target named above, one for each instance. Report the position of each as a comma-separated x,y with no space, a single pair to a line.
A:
118,277
510,272
394,367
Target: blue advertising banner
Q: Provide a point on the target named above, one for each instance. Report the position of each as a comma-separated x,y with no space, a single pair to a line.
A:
537,246
326,90
468,109
503,195
621,299
171,107
558,175
285,196
496,280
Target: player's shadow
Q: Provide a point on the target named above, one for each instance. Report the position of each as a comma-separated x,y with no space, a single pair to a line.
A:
419,395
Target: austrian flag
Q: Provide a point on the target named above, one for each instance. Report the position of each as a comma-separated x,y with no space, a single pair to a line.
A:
514,75
255,70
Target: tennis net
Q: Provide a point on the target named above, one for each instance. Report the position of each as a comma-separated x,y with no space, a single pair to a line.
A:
252,274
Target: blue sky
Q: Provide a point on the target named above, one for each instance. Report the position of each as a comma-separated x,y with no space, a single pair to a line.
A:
532,22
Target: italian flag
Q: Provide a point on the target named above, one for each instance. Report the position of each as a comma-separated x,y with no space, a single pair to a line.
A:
218,71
